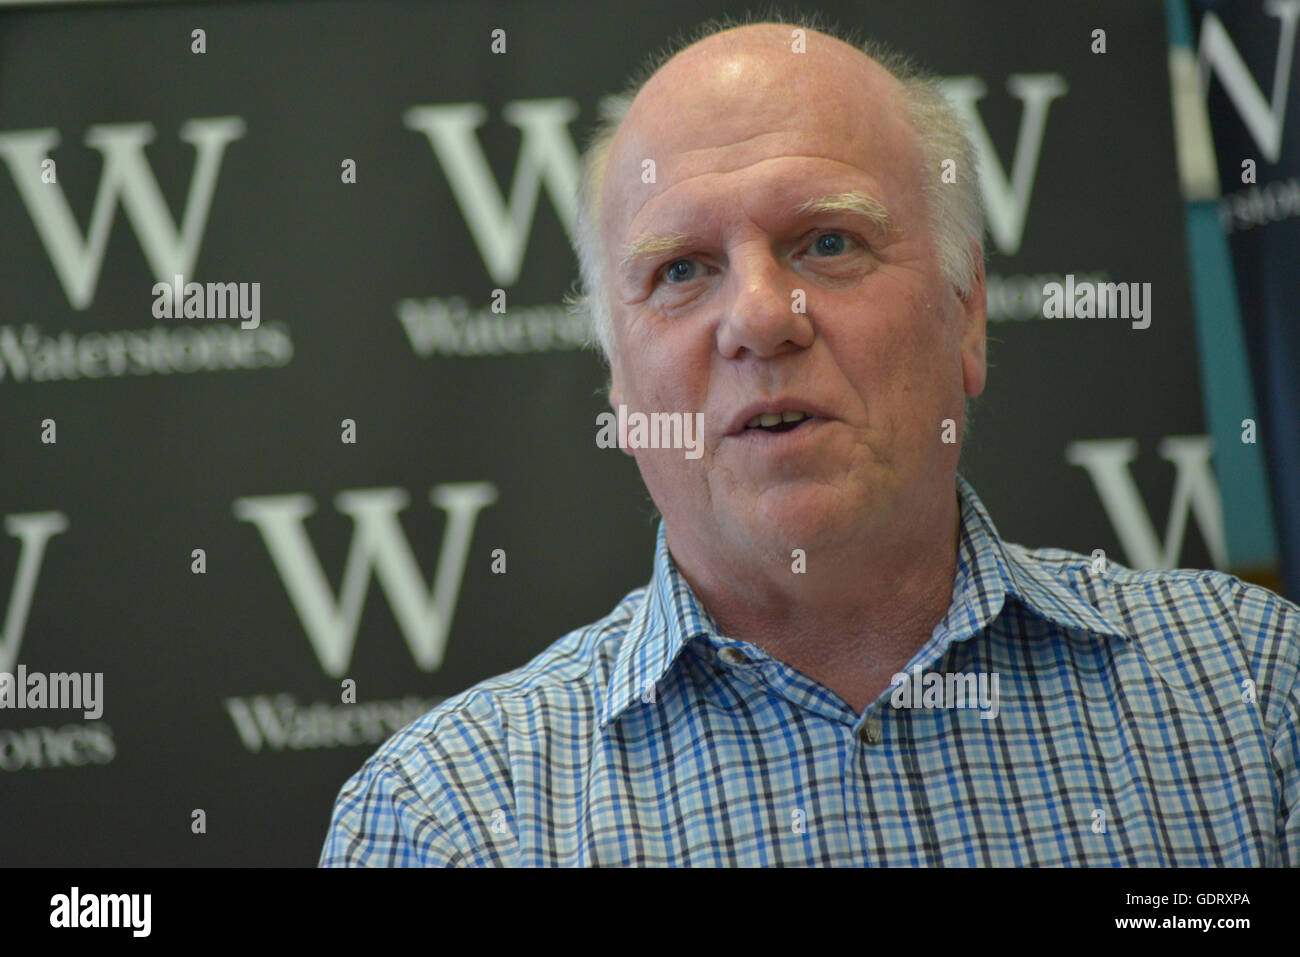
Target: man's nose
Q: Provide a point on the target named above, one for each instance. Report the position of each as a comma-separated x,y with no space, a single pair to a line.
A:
764,308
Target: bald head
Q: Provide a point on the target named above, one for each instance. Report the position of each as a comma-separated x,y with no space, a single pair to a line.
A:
711,89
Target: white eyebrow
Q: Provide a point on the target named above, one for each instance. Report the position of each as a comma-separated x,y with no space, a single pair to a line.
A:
857,202
651,244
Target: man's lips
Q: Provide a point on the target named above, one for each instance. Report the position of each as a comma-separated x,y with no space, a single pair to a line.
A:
774,416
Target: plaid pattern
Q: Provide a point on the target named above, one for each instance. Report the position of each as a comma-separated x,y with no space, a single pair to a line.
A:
1145,718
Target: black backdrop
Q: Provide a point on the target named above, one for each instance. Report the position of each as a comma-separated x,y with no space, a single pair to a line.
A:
223,691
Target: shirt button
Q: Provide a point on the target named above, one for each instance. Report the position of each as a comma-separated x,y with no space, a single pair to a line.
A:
871,732
732,656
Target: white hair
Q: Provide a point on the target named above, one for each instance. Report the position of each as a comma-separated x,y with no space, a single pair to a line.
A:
955,211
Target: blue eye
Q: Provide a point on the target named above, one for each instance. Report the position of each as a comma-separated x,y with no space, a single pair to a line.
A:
680,270
830,244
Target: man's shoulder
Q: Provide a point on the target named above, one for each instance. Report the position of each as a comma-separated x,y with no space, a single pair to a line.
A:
1200,611
1202,593
434,788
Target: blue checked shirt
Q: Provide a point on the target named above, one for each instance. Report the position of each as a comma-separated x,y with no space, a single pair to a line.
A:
1144,718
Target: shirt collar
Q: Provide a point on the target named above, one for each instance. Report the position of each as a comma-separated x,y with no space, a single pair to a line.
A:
988,570
669,616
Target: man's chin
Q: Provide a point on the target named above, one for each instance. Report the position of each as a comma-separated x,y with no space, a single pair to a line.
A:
811,520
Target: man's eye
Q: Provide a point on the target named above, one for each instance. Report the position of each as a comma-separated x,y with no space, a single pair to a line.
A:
680,270
830,244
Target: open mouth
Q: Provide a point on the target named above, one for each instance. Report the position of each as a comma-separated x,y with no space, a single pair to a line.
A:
774,422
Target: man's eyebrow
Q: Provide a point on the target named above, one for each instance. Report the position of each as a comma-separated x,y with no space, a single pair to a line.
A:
857,202
651,244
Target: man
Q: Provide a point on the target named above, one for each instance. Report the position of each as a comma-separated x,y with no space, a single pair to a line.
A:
837,660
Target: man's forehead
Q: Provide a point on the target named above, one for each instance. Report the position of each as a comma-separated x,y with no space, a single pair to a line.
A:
702,96
722,108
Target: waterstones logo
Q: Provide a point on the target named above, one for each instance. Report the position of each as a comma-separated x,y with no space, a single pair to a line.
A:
278,723
126,179
30,355
423,613
42,748
451,327
947,690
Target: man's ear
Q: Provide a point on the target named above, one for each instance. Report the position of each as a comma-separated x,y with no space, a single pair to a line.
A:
616,398
974,315
614,387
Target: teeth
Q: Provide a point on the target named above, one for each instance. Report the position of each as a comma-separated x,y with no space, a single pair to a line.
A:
769,419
